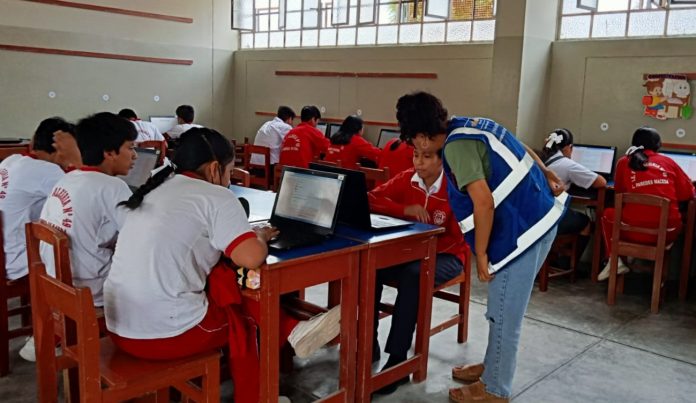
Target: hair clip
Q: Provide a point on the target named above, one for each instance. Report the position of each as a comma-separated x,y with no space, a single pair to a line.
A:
554,138
632,149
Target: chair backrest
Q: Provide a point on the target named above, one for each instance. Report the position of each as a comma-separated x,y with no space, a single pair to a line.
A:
329,163
277,173
620,202
161,145
240,177
375,176
263,180
79,335
39,231
7,151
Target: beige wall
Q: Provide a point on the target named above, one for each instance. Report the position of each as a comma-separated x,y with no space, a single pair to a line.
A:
79,83
463,82
600,81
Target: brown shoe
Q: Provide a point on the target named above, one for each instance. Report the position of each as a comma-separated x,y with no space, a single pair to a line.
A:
468,373
474,393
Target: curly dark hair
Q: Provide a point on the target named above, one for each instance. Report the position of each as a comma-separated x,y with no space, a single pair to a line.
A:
420,113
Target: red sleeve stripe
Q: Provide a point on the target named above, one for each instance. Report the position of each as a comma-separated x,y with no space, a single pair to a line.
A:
238,240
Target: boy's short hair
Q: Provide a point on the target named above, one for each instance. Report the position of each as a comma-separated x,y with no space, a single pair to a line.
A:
420,113
309,112
285,113
43,136
127,114
100,133
185,112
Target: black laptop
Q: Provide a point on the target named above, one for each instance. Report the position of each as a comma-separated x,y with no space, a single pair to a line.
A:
354,208
306,207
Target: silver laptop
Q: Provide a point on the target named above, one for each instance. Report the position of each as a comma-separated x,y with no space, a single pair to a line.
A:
142,169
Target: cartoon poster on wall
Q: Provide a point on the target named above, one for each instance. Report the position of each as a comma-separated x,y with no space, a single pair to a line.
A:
669,96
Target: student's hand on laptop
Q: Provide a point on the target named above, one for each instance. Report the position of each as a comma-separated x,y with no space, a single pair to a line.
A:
418,212
266,233
68,154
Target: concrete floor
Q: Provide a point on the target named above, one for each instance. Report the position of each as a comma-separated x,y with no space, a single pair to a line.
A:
574,348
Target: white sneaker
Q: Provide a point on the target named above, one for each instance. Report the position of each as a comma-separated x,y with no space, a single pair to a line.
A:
604,274
310,335
28,352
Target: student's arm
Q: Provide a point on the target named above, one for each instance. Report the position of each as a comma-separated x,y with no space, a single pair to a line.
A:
367,150
66,148
482,199
230,232
252,251
584,178
555,183
384,199
620,185
600,182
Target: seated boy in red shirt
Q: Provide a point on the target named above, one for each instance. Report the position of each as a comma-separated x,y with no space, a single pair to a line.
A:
419,193
304,142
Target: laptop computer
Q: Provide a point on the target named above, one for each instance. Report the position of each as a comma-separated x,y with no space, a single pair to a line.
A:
354,209
599,159
685,160
385,135
306,207
322,127
332,129
142,169
164,123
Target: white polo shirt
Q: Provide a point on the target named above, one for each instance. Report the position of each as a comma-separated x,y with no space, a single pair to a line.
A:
25,182
147,131
271,135
570,172
176,131
83,204
156,287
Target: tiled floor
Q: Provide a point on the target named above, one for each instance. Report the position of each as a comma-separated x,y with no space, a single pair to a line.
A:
574,348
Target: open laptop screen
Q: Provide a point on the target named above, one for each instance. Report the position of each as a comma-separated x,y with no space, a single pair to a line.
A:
144,164
332,129
322,128
687,162
385,135
599,159
309,198
163,123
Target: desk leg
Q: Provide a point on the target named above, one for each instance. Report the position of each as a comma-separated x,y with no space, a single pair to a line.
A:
349,313
365,325
427,284
269,329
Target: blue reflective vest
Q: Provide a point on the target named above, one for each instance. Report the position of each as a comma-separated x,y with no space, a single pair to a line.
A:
525,208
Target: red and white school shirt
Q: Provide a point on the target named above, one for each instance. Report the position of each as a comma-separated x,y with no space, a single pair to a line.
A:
156,288
301,145
350,154
83,204
397,160
662,178
25,182
147,131
406,189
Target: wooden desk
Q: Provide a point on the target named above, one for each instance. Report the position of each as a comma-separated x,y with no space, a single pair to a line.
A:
597,201
335,261
386,249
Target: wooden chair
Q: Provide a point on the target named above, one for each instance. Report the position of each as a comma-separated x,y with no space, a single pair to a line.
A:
10,289
374,176
105,373
461,318
156,144
659,253
277,176
563,245
240,177
7,151
329,163
240,152
260,173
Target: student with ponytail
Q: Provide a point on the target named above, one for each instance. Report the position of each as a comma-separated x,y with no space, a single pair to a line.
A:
171,270
558,148
349,146
397,155
643,170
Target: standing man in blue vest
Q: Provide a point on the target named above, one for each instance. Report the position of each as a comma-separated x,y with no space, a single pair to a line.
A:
508,205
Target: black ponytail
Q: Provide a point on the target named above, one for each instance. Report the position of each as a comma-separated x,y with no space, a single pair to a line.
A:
197,146
556,140
644,138
349,128
395,145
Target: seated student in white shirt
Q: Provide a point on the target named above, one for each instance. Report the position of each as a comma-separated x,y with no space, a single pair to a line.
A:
26,182
83,203
161,292
184,118
272,133
556,155
147,131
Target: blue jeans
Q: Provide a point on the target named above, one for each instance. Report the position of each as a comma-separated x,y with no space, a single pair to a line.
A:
508,297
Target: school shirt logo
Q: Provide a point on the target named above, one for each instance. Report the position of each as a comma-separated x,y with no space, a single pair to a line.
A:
439,217
4,182
67,211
